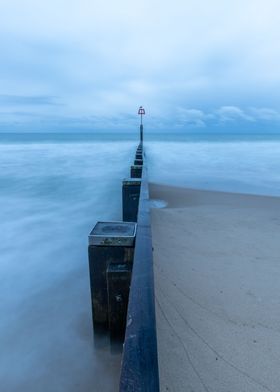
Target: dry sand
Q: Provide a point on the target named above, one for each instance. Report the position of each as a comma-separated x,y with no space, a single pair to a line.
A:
217,283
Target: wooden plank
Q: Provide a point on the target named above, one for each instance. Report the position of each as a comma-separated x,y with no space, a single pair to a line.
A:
140,361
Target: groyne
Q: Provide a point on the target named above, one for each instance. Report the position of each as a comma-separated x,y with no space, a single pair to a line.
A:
122,281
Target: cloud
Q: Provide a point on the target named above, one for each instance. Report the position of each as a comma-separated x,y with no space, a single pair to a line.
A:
102,59
20,100
226,118
232,113
193,117
265,114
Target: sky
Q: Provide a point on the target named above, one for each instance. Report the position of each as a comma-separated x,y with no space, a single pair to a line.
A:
87,65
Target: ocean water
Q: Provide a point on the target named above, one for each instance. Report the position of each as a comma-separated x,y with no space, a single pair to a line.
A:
245,164
51,195
53,188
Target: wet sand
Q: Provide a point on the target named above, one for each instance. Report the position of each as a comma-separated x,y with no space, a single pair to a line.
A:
217,283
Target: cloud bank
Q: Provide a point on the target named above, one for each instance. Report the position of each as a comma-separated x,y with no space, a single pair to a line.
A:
228,118
90,64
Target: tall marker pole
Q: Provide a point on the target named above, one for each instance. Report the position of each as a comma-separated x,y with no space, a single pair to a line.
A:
141,112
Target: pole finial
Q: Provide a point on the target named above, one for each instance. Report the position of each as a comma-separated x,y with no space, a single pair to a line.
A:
141,110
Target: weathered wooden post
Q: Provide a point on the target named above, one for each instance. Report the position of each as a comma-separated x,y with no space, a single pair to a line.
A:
138,155
130,196
138,162
118,285
136,171
110,250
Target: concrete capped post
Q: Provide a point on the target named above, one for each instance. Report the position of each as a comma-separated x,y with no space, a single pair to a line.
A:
110,244
130,197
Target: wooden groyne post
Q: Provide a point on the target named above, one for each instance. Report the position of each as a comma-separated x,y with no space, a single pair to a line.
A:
130,196
110,251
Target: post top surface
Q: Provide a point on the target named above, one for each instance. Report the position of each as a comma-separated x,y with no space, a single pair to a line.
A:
113,233
114,229
132,181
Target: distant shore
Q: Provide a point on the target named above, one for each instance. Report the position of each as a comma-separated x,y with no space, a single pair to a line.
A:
217,274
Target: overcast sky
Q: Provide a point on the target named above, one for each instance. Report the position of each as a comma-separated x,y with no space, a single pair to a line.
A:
88,64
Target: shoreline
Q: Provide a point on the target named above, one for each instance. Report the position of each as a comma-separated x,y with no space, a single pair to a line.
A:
168,191
217,290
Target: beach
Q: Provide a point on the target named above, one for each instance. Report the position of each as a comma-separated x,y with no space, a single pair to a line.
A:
217,273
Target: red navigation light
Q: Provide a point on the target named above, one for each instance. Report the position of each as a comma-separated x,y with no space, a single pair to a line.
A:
141,110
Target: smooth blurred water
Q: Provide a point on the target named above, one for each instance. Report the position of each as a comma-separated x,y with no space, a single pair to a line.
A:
51,194
240,164
53,188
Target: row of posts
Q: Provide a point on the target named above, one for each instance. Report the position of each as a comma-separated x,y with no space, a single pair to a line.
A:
110,252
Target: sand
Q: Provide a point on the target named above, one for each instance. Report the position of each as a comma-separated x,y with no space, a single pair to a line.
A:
217,286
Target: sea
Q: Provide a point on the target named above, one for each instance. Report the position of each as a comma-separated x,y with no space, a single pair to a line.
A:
53,189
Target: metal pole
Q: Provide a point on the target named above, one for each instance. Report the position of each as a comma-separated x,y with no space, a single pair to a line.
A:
141,111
